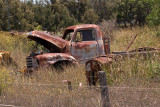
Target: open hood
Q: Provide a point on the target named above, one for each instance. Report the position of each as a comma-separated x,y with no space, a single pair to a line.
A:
52,43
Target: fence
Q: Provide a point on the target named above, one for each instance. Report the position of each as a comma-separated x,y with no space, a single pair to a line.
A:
104,89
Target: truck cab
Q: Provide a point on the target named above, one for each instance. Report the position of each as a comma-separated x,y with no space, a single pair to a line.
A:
85,42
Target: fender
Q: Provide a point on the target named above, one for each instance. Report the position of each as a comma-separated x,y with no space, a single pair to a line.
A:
52,58
99,61
95,65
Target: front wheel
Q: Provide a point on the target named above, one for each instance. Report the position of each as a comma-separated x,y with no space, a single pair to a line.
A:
61,65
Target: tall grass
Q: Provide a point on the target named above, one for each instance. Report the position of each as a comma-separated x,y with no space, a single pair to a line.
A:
4,76
146,37
128,70
45,87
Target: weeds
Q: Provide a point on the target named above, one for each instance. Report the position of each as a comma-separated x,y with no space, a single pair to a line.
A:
46,87
4,78
146,37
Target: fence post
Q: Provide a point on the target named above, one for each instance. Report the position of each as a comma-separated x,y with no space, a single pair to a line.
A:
69,86
104,89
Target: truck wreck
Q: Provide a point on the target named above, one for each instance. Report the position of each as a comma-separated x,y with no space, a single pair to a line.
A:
80,44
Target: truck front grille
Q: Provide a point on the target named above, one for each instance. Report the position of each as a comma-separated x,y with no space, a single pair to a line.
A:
31,62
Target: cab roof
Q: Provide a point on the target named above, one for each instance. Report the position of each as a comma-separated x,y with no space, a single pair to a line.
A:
82,26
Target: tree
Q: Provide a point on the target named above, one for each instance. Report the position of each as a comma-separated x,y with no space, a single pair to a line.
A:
53,1
133,12
61,16
143,9
17,14
90,17
77,8
3,15
154,18
105,8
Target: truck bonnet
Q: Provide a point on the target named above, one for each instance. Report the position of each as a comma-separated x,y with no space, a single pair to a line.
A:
49,41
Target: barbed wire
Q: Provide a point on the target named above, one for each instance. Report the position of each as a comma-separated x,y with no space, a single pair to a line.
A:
139,88
5,105
85,86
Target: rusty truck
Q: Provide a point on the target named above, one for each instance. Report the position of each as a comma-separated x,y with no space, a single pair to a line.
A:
80,44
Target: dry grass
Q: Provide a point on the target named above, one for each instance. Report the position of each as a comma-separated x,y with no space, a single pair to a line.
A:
46,87
54,94
146,37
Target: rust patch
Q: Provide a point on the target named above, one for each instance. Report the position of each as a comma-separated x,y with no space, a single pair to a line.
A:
61,43
95,65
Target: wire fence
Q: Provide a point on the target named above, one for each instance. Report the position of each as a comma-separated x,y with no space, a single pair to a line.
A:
123,93
113,88
5,105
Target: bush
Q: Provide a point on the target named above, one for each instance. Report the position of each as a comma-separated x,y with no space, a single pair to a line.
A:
39,27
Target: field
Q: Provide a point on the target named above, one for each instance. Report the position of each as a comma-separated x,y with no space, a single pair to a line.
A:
132,82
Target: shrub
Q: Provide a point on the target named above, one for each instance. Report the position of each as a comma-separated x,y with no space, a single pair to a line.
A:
39,27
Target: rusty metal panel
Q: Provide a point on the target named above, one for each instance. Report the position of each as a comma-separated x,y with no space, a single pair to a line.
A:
95,65
31,62
101,47
104,60
143,51
85,26
75,27
51,58
84,49
61,43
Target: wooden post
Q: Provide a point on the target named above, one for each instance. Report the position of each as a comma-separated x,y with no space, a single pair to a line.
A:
69,86
104,89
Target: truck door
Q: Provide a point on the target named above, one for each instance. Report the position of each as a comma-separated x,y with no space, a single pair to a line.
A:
84,45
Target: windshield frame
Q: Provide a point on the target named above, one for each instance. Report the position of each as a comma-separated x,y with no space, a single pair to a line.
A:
67,32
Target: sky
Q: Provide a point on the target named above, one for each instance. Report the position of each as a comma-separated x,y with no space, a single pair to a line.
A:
33,0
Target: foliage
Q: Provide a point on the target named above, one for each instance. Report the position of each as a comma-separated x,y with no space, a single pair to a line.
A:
53,15
90,17
16,15
39,27
105,9
61,16
154,17
11,43
133,12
